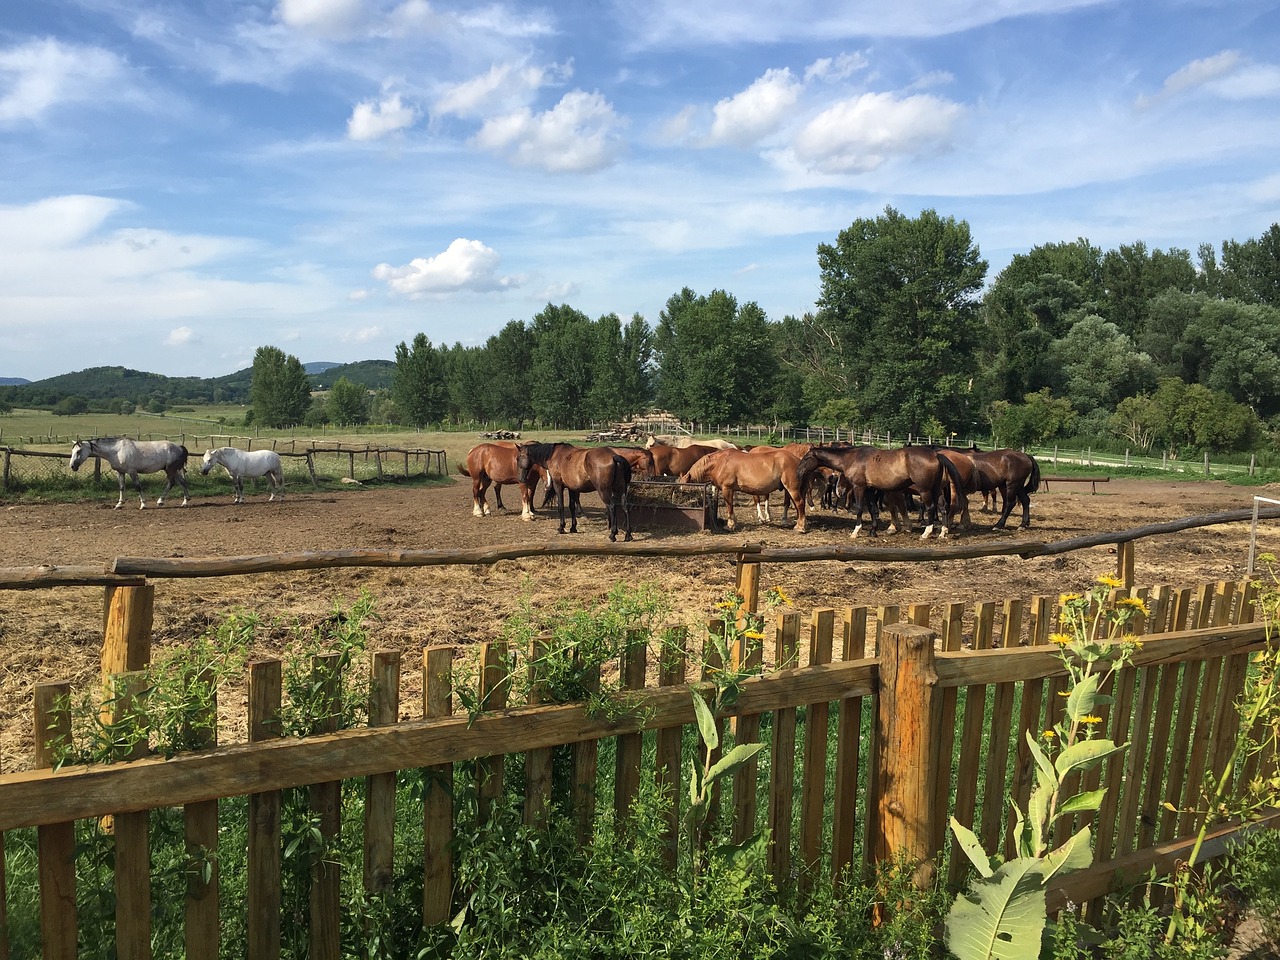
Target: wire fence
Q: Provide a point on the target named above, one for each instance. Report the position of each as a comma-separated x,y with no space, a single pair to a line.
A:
304,462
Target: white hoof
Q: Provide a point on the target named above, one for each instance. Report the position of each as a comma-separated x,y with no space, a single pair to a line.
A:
526,514
730,525
476,511
856,531
927,531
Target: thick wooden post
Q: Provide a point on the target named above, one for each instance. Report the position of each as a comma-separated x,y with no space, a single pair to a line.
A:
906,728
437,792
1124,563
380,789
126,629
57,841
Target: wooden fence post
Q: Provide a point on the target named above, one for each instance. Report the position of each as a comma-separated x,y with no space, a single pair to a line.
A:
907,708
325,803
380,789
1124,563
202,931
126,640
437,793
56,842
262,896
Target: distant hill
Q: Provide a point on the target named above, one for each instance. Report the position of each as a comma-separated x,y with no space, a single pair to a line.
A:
374,374
121,383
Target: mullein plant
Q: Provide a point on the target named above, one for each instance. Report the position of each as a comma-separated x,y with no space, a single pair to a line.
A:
1004,912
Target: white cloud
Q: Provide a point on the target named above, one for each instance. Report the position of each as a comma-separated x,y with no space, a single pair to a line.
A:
54,222
503,86
679,128
372,120
1252,81
858,135
363,335
358,296
39,75
466,265
835,68
747,117
578,135
181,336
326,17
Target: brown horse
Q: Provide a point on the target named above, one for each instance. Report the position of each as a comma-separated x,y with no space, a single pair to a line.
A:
575,470
495,463
671,461
757,473
640,458
1014,474
872,472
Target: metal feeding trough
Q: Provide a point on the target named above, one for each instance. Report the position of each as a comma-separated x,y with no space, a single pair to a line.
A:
673,505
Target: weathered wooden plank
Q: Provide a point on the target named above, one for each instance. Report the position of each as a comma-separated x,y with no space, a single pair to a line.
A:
582,791
380,789
885,616
970,762
4,902
537,763
672,663
630,745
437,792
202,929
844,812
325,801
952,636
783,756
263,893
1144,719
1188,691
494,685
56,842
748,654
813,804
1038,630
1000,728
64,575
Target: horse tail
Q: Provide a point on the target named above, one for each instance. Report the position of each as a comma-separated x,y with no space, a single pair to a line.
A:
181,462
462,469
1033,479
957,482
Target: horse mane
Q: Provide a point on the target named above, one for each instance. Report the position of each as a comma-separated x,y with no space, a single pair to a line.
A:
539,450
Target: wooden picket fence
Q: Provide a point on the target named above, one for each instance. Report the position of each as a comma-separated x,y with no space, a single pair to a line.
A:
888,718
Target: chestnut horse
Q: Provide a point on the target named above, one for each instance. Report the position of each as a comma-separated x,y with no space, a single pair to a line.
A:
640,458
576,470
870,471
671,461
1016,475
496,463
756,472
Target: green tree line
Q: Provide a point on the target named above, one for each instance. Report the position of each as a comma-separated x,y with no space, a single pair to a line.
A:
1152,348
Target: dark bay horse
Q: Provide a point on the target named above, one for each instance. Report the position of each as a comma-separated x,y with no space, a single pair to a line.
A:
872,472
1016,475
755,472
495,463
671,461
575,470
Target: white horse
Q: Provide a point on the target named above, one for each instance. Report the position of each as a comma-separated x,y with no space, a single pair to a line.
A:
133,457
241,464
674,441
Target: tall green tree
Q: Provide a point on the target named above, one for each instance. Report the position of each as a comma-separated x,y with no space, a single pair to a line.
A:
347,402
900,294
508,361
1100,365
418,384
563,361
281,392
715,359
1250,269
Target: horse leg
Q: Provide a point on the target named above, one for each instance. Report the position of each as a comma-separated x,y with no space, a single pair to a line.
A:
560,507
239,481
479,485
526,501
801,507
1025,499
727,494
626,512
575,507
277,480
611,517
1009,499
142,503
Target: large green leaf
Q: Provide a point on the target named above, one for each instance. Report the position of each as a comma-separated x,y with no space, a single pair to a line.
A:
1083,697
1085,754
733,760
1075,854
1089,800
972,847
1043,764
706,722
1002,916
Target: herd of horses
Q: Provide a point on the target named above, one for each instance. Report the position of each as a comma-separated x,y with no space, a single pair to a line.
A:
862,479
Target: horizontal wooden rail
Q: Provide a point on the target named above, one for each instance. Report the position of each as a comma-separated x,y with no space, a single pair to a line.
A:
1045,481
37,797
172,568
976,667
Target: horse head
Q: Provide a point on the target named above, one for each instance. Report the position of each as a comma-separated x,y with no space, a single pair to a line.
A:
209,461
81,451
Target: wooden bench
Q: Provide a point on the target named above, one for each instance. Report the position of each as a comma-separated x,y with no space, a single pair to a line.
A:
1044,481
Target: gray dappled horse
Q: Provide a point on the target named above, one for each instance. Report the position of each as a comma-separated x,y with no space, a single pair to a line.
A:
132,457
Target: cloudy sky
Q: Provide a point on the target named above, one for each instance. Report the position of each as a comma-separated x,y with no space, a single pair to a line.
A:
186,180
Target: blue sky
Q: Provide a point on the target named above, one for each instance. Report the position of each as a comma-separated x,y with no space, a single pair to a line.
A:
187,180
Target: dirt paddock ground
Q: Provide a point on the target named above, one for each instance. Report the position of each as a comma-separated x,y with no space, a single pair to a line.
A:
55,634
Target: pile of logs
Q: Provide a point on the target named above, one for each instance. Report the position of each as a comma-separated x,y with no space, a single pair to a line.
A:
501,435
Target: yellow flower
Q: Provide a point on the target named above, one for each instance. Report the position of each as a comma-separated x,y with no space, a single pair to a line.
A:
1109,581
1136,603
753,635
1090,719
1065,598
780,596
1048,734
726,605
1061,639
